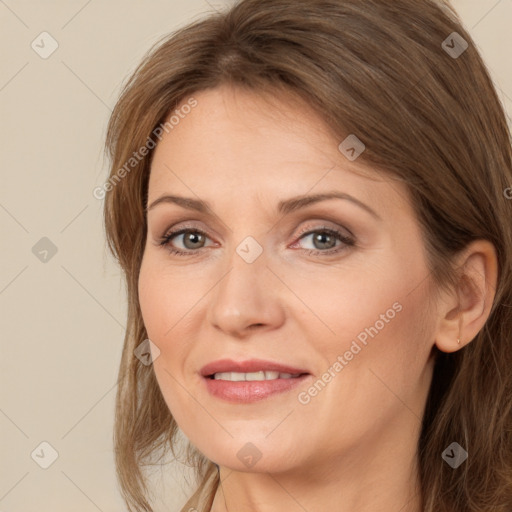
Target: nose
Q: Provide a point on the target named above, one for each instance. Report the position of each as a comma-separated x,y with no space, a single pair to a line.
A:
247,297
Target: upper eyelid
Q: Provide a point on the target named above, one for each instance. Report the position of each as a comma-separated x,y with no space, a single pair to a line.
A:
298,207
305,231
186,224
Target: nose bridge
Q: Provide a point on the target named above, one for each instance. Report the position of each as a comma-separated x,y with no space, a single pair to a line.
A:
244,296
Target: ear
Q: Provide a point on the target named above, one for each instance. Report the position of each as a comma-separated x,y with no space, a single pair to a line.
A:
463,313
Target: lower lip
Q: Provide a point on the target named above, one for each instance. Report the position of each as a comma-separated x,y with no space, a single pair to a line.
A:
244,392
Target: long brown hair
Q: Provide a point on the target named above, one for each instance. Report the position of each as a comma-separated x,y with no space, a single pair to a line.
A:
394,74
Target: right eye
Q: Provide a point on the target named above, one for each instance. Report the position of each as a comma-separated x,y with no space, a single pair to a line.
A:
191,237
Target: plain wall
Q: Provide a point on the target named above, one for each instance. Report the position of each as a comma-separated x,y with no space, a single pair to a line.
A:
62,320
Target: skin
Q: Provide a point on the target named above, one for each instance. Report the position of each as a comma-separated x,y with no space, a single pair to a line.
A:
352,446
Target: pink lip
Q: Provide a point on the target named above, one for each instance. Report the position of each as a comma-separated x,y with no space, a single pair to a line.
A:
252,365
249,391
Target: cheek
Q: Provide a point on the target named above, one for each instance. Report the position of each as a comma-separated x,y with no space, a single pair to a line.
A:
374,317
166,297
150,301
159,317
355,299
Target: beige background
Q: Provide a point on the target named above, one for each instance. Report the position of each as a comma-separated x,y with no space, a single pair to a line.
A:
63,319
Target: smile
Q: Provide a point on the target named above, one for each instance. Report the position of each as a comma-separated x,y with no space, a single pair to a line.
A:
245,388
253,376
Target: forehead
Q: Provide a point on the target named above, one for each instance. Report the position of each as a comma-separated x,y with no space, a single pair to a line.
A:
231,121
238,141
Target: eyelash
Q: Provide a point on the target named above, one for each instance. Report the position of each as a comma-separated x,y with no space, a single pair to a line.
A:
347,240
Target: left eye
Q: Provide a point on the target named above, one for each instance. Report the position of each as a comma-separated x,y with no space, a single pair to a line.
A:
324,240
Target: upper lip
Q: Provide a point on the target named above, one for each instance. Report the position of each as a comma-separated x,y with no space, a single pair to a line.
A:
252,365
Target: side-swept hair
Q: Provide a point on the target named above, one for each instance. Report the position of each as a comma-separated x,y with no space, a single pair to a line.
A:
429,117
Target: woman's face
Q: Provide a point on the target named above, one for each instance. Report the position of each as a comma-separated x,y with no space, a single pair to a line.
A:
278,284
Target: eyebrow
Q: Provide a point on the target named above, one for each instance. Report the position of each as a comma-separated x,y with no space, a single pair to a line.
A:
284,207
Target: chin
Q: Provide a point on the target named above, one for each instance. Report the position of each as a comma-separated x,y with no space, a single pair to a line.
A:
253,454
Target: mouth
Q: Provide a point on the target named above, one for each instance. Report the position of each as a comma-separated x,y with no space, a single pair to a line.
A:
253,376
250,381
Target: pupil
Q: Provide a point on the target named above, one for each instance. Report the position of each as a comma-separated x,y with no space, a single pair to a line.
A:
321,239
193,238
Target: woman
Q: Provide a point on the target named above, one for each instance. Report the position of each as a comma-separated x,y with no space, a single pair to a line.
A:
309,201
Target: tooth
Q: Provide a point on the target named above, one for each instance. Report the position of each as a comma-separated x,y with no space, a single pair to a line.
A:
235,376
255,376
222,376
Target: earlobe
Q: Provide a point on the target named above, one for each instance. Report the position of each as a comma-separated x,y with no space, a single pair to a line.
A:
467,309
